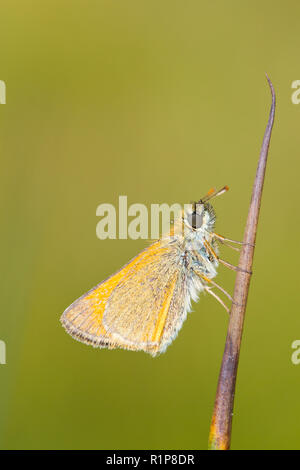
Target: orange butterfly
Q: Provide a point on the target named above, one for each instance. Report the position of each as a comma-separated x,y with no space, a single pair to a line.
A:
144,304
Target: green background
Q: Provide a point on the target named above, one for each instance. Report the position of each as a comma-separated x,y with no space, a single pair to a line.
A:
159,101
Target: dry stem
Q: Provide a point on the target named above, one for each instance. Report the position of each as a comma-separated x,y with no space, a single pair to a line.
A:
220,430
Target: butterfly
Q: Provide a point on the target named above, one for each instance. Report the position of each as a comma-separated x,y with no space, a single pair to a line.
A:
143,305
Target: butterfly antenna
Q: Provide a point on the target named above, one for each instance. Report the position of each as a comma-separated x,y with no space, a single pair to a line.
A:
213,193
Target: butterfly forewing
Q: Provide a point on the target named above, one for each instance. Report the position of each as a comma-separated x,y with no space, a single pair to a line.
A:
139,307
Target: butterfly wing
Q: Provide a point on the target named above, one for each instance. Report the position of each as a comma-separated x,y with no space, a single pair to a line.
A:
139,307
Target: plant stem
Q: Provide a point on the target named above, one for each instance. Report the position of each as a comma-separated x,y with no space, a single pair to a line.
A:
220,429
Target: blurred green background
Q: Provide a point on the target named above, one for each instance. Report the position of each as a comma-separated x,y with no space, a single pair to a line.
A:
158,101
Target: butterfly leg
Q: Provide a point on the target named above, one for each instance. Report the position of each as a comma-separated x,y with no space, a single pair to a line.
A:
225,263
224,239
214,284
208,289
228,244
232,267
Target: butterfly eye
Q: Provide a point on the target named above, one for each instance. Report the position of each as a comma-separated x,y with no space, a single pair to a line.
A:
195,220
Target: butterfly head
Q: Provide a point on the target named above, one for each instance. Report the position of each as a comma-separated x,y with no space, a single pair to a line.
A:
199,216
